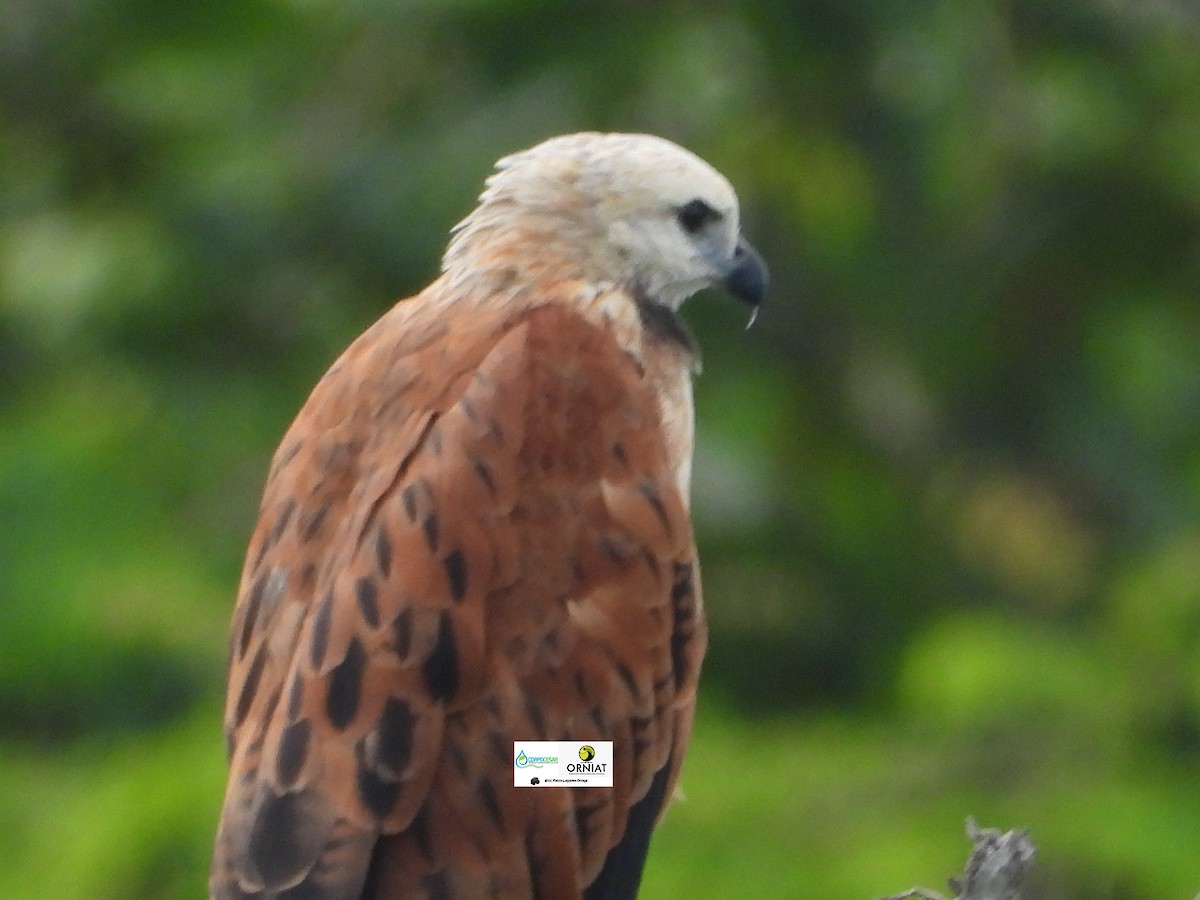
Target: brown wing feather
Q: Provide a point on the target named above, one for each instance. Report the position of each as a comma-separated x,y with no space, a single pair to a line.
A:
469,536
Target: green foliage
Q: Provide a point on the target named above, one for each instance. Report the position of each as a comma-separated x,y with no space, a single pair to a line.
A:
947,491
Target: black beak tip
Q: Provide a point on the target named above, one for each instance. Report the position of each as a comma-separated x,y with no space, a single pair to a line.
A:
748,277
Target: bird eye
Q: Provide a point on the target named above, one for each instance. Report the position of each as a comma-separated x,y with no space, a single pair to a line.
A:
695,214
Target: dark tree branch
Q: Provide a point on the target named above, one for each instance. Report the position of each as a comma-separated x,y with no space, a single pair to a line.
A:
996,869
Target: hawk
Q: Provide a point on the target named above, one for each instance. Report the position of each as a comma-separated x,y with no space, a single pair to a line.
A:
476,532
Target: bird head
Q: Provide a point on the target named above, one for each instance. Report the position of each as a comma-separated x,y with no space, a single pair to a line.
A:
629,209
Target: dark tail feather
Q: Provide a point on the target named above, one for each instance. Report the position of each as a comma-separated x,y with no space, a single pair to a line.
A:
622,872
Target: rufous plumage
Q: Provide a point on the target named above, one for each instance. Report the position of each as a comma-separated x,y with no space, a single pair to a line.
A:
476,532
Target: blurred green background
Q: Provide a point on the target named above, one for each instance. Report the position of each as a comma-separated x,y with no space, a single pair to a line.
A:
947,490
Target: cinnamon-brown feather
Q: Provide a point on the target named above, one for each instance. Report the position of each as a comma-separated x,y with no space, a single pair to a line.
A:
472,534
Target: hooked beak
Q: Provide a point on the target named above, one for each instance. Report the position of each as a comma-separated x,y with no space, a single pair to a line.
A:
746,276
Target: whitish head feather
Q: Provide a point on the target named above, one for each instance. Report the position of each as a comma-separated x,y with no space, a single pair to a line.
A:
628,209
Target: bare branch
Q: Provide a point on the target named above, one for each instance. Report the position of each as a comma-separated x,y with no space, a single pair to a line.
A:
996,869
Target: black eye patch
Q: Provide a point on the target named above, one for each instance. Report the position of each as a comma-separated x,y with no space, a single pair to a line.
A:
695,214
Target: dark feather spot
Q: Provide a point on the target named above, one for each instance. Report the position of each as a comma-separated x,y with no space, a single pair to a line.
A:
289,454
679,656
340,457
408,497
285,516
498,748
583,817
491,705
650,492
368,601
314,523
253,601
538,864
618,452
395,737
612,549
627,677
484,471
383,551
295,697
456,572
319,640
487,793
293,751
495,432
652,564
684,611
683,582
272,701
281,845
638,365
468,409
378,794
457,757
345,686
250,685
430,528
441,666
402,633
436,887
419,829
536,718
308,575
